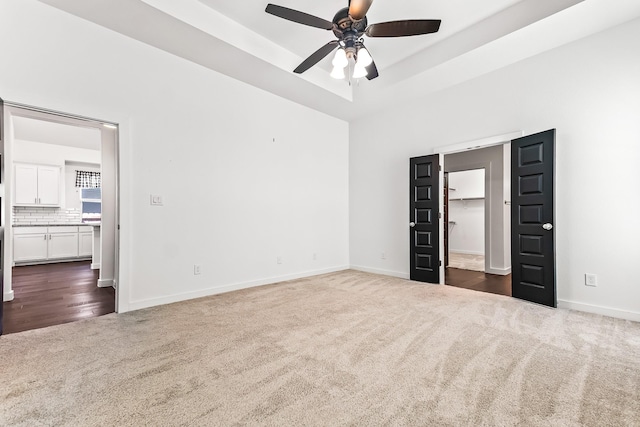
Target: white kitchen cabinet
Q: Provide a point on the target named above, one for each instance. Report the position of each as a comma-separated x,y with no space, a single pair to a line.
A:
63,242
31,246
85,241
36,185
43,244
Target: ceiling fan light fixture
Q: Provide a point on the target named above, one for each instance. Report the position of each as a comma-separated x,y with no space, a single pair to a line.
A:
340,59
364,59
359,71
337,73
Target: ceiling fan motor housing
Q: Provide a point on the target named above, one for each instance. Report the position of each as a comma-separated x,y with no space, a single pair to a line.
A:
348,31
343,24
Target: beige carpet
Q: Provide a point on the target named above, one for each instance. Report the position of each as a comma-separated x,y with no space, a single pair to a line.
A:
347,348
466,261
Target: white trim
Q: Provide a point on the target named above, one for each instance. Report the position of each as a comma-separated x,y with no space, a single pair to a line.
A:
442,268
478,143
121,135
105,283
465,252
596,309
379,271
95,266
499,271
152,302
465,146
8,296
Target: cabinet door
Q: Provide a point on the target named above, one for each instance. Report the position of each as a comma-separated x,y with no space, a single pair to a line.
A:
63,245
85,243
29,247
26,185
49,185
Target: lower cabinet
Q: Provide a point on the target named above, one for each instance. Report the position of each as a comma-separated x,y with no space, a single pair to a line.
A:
85,243
33,244
30,247
62,245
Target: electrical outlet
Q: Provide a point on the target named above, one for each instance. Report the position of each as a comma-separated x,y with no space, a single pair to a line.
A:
590,279
278,260
196,270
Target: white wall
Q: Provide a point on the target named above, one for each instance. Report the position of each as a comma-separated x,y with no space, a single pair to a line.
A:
590,91
246,176
465,184
51,154
466,227
490,159
466,217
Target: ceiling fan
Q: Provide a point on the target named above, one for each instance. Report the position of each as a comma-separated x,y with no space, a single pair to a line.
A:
349,25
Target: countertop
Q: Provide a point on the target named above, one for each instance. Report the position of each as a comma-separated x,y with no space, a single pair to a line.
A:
59,224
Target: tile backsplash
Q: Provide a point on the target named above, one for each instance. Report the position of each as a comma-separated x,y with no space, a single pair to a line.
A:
39,215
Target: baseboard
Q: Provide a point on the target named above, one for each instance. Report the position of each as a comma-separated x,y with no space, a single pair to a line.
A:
380,271
8,296
499,271
95,266
48,261
465,252
152,302
596,309
105,283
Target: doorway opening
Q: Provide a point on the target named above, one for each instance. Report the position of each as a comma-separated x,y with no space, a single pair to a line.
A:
477,220
519,212
59,217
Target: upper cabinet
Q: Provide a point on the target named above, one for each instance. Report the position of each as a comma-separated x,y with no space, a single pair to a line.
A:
36,185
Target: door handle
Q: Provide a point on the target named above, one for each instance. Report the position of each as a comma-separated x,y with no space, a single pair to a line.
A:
412,224
548,226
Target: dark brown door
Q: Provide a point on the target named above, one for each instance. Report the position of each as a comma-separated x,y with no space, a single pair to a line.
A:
423,217
532,215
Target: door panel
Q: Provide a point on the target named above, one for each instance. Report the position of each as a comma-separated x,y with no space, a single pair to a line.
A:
29,247
424,234
533,246
26,184
48,185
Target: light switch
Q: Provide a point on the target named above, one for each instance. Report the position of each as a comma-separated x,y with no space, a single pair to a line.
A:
156,200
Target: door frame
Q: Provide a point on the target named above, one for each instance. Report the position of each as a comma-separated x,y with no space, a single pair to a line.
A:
110,134
458,148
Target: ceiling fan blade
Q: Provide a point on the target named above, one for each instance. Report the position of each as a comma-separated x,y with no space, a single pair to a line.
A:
410,27
372,71
299,17
359,8
316,57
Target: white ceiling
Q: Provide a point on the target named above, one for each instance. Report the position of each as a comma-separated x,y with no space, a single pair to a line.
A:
303,41
28,129
475,37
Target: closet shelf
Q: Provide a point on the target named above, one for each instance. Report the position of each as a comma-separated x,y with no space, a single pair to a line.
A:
467,198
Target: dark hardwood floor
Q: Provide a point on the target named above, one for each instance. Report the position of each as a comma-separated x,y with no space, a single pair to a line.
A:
478,281
52,294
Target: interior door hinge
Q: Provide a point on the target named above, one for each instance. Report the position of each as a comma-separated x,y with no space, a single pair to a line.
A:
440,168
440,264
439,215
